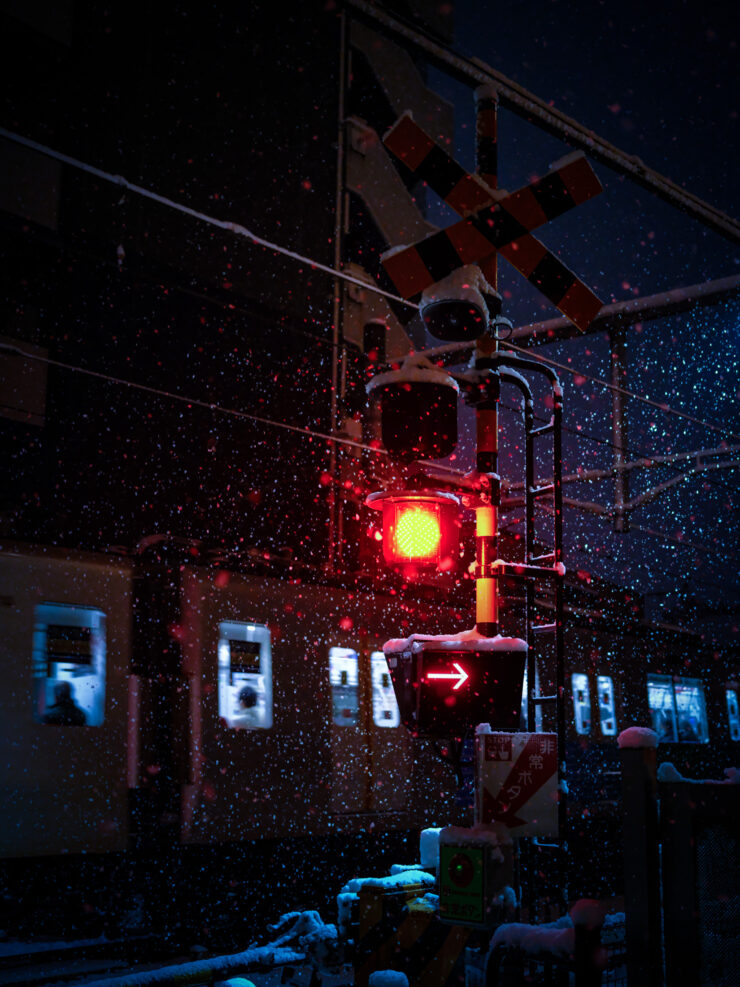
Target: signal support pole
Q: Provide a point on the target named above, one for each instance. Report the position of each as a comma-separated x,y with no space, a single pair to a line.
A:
617,341
486,157
486,516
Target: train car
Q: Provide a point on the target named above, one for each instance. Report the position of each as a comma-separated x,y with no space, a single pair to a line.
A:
159,709
624,671
174,718
66,631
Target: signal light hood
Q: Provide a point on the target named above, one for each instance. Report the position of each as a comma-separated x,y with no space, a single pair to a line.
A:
418,409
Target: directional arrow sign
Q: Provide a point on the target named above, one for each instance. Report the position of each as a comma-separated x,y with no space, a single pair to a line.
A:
460,675
446,691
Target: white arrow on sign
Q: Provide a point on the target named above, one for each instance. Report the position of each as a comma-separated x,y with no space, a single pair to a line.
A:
461,675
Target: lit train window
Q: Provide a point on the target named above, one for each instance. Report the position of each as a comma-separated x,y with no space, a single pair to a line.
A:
607,712
581,703
344,676
678,709
244,675
691,712
69,665
385,708
662,707
733,713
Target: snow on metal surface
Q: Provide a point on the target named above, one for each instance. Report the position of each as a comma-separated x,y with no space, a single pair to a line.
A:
416,369
391,881
429,847
638,737
388,978
465,641
482,834
667,771
263,956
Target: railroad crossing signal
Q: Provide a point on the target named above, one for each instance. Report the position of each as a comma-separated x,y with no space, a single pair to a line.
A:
457,678
492,222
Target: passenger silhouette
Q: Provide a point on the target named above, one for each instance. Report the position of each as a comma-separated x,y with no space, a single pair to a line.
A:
64,711
247,714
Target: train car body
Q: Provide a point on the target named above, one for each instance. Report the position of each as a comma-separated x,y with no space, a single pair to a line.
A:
66,618
228,710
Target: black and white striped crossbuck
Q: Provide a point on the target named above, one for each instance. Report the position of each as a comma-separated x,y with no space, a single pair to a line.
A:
491,222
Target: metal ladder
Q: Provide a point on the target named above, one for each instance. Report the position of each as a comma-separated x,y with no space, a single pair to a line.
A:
542,565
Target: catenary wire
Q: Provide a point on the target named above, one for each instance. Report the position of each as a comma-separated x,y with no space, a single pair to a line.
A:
228,303
196,402
210,406
629,450
239,230
236,228
324,341
623,390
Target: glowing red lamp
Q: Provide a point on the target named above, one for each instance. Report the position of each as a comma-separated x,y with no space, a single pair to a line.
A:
421,528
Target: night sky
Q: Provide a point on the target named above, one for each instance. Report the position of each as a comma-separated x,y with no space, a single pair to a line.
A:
660,83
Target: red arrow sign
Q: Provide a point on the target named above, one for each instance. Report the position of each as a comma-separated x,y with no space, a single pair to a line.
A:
461,675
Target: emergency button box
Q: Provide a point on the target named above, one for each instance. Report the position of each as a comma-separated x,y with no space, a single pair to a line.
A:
517,782
472,878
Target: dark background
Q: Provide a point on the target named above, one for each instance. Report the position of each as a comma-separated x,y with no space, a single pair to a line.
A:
236,116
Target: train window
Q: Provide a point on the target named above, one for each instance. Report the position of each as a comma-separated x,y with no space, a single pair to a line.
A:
244,675
733,713
385,707
69,655
344,677
607,712
581,703
678,710
691,713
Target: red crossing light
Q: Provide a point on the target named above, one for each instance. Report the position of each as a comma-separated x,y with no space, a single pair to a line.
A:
415,533
420,528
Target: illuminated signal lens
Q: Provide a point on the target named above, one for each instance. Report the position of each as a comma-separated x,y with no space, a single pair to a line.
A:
417,533
420,529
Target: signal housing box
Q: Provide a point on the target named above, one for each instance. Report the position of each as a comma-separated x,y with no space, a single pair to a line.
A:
446,686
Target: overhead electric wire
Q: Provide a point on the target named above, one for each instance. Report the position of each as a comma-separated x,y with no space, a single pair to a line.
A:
622,390
209,405
236,228
629,450
225,303
239,230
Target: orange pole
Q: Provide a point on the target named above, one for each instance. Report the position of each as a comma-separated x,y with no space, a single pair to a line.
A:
486,522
